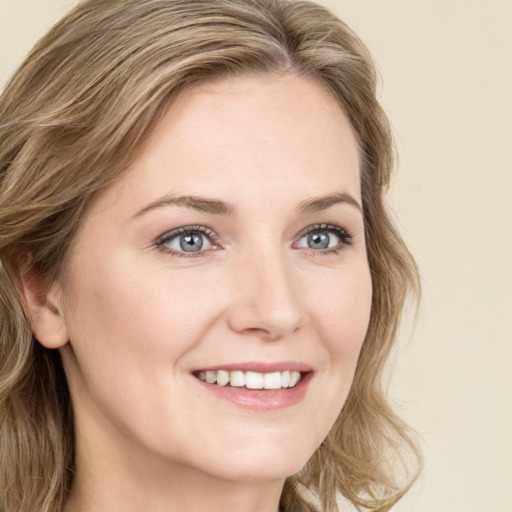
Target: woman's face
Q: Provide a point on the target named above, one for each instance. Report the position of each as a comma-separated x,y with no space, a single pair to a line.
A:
232,248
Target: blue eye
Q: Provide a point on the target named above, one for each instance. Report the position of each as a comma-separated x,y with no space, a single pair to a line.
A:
190,240
325,238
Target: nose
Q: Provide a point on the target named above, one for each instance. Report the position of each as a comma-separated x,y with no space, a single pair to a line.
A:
267,303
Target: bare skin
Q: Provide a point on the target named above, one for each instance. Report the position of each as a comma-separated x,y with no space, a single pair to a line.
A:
235,238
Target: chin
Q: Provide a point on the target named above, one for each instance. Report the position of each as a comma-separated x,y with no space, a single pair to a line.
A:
275,462
255,472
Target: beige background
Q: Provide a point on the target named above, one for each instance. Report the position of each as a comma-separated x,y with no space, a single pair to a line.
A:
446,69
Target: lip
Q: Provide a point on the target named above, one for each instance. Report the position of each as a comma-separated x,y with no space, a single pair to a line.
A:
260,399
260,367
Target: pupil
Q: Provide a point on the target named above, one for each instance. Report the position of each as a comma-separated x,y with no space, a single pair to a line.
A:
318,240
191,243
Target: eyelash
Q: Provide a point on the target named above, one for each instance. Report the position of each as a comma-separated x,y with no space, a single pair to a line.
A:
185,230
346,239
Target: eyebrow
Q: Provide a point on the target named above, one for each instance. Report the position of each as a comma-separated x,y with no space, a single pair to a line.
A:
201,204
322,203
223,208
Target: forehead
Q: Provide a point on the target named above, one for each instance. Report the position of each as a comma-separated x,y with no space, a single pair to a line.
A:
248,137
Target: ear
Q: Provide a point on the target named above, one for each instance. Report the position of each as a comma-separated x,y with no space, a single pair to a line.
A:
44,306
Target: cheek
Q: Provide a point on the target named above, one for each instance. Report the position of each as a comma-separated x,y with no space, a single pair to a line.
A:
340,315
133,310
342,318
130,331
343,313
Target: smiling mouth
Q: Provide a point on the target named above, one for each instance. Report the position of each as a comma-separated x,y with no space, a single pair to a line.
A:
251,380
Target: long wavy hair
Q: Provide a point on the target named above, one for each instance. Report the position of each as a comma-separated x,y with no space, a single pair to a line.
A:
72,119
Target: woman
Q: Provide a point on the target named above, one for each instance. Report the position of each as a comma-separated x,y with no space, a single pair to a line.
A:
200,282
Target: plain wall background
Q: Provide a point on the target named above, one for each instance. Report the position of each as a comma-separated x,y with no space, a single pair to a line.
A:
446,68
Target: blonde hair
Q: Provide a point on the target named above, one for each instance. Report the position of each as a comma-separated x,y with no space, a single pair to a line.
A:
72,119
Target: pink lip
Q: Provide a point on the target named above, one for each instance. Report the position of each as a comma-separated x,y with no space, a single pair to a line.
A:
260,399
260,367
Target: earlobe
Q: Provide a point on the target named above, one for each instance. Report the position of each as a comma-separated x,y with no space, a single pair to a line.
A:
43,304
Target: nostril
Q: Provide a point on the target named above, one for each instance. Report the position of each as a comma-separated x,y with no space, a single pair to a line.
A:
267,324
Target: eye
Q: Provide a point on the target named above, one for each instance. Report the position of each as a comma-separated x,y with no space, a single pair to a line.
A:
187,240
325,237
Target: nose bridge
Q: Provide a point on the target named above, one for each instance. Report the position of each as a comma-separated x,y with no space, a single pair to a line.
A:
267,300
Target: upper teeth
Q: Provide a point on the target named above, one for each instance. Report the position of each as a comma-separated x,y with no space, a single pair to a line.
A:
252,380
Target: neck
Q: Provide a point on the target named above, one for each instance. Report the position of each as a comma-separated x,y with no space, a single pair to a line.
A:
180,494
130,481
